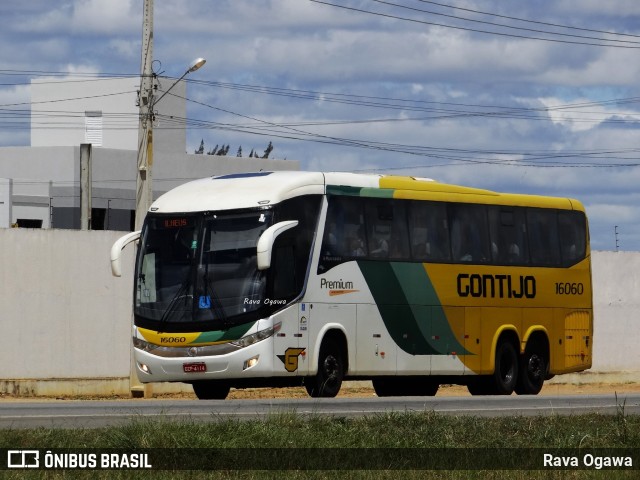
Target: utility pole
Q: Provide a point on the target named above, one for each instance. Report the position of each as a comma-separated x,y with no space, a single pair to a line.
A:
144,177
85,186
144,186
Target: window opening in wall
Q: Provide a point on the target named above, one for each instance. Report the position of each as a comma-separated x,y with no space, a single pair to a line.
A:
29,223
93,127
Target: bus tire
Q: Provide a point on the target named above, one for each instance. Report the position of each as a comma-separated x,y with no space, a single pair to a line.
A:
384,387
327,382
505,375
211,389
533,371
480,385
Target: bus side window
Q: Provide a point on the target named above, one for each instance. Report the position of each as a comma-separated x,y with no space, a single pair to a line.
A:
469,233
292,249
387,224
507,229
429,232
572,230
344,237
542,226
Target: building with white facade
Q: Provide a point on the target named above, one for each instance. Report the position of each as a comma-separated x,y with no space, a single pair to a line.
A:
40,184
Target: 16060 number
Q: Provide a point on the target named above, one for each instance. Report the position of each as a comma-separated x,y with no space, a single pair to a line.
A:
569,288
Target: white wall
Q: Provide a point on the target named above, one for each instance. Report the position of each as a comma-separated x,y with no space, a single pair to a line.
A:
6,188
616,299
63,315
116,99
66,320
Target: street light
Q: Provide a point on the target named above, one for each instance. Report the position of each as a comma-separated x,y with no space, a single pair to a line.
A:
197,63
147,103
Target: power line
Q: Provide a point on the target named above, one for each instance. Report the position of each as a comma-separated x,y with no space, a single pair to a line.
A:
280,131
475,30
549,24
502,25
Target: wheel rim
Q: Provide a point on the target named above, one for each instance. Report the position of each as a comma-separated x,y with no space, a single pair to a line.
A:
535,367
330,368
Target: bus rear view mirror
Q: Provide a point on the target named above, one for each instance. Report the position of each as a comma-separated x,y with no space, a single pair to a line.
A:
116,250
266,240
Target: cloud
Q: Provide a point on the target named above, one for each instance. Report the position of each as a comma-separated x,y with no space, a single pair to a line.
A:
461,106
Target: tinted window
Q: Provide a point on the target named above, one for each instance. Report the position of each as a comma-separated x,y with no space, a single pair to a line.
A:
292,249
344,235
508,232
542,226
429,232
573,236
387,229
469,233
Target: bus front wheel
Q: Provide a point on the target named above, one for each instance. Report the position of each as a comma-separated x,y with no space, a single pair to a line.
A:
328,380
211,389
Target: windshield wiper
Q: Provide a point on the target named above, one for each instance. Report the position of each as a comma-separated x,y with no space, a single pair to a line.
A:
176,298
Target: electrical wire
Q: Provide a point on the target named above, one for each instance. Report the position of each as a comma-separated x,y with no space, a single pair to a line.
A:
475,30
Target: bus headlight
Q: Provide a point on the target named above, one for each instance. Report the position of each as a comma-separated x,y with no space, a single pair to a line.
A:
144,346
252,362
257,337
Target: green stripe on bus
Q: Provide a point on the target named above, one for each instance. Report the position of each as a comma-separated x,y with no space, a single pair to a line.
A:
342,190
377,192
360,191
410,308
234,333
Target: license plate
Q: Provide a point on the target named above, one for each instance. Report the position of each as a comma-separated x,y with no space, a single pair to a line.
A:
194,367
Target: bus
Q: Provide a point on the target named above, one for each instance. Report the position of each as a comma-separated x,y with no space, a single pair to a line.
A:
273,279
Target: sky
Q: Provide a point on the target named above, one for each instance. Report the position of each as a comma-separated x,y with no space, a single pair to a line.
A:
536,96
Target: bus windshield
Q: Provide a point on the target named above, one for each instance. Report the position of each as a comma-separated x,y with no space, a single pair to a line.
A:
199,268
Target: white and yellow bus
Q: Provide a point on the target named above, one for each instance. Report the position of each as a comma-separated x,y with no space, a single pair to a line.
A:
307,278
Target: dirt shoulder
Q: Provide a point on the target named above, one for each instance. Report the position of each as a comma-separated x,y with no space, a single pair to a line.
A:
357,391
352,390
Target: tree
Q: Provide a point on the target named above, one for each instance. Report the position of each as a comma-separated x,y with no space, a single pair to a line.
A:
268,151
239,154
200,151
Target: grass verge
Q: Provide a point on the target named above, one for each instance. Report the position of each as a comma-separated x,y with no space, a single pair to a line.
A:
292,446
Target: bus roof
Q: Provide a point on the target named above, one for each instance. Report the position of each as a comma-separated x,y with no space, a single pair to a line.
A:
249,190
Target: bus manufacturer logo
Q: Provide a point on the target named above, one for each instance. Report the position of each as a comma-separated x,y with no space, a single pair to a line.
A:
291,358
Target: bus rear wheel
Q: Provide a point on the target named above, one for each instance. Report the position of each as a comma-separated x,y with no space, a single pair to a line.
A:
330,374
211,389
505,376
533,371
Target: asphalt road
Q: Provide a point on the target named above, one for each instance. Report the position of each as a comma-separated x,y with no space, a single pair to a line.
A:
94,414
